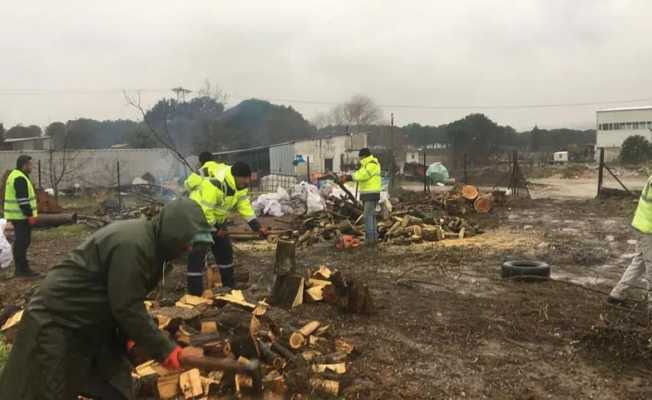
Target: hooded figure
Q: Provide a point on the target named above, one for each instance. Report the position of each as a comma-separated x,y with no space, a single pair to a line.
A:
72,337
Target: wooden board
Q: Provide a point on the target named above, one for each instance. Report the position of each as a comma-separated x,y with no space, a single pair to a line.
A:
236,297
191,384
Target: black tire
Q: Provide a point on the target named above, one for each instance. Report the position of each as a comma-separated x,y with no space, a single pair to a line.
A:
525,270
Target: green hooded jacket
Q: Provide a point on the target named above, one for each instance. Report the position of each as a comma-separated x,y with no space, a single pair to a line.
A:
74,329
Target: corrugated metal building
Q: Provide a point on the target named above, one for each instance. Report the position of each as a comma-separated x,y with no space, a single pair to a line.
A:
617,124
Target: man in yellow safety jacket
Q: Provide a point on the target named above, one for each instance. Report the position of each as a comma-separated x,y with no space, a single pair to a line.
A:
20,209
369,186
641,264
219,189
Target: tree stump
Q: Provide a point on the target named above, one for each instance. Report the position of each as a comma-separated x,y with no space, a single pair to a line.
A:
285,261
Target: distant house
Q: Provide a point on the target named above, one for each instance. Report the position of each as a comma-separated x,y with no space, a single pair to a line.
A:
617,124
31,143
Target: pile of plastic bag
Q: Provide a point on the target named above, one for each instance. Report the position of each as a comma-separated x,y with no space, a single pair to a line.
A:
274,204
6,256
302,198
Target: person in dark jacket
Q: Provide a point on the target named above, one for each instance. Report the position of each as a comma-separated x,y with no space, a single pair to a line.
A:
72,338
20,209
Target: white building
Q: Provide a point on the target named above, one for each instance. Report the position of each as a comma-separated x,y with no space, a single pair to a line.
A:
335,154
617,124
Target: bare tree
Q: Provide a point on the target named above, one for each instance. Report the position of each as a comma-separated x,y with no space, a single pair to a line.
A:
359,111
214,92
322,120
164,138
62,161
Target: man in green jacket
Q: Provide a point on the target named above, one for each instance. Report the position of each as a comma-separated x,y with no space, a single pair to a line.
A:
641,264
72,337
369,185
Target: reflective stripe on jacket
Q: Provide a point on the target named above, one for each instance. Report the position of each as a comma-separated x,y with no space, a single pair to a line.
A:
12,202
218,195
643,216
368,176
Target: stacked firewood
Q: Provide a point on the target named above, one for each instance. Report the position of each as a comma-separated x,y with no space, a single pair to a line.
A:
417,217
233,345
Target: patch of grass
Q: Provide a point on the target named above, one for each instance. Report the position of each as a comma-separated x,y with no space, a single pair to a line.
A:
79,203
4,353
64,231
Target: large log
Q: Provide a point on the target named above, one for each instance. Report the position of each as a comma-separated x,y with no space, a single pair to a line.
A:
53,220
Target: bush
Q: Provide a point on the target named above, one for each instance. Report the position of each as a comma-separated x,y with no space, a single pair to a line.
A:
635,150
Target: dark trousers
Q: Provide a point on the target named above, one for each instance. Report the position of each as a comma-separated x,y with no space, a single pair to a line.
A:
23,238
223,253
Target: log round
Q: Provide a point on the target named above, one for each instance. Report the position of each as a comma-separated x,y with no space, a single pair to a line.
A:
483,204
470,192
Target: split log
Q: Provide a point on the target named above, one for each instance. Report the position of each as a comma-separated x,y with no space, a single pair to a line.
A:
298,338
483,204
332,358
344,346
287,290
325,386
235,297
168,386
339,368
348,296
470,192
53,220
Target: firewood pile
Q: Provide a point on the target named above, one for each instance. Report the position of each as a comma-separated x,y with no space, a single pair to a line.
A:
234,345
413,218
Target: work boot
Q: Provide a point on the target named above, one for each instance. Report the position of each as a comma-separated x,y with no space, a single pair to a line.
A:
227,276
614,301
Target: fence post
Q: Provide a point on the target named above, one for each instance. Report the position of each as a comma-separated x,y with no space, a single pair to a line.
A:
425,170
308,169
40,186
119,191
600,172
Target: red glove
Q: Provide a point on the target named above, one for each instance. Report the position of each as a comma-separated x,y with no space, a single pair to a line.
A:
31,220
130,345
263,232
172,362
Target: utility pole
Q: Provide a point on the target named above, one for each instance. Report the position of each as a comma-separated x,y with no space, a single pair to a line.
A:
181,93
392,156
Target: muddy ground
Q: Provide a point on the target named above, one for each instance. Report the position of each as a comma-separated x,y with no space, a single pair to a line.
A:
447,326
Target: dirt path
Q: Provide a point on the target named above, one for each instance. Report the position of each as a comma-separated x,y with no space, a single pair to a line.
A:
447,327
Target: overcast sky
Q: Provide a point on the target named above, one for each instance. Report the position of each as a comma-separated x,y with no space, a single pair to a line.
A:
449,58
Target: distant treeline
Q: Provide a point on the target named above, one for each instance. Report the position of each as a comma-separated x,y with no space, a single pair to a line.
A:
204,123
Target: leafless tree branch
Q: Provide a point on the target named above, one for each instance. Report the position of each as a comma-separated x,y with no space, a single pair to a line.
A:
136,103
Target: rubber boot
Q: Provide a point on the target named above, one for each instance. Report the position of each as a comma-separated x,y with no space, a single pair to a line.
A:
227,275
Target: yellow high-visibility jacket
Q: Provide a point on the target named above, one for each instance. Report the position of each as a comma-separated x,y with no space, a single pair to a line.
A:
218,195
643,216
368,176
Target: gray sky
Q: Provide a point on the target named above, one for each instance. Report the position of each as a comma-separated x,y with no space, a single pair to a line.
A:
61,62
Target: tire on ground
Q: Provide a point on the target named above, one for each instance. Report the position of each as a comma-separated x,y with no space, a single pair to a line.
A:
525,270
